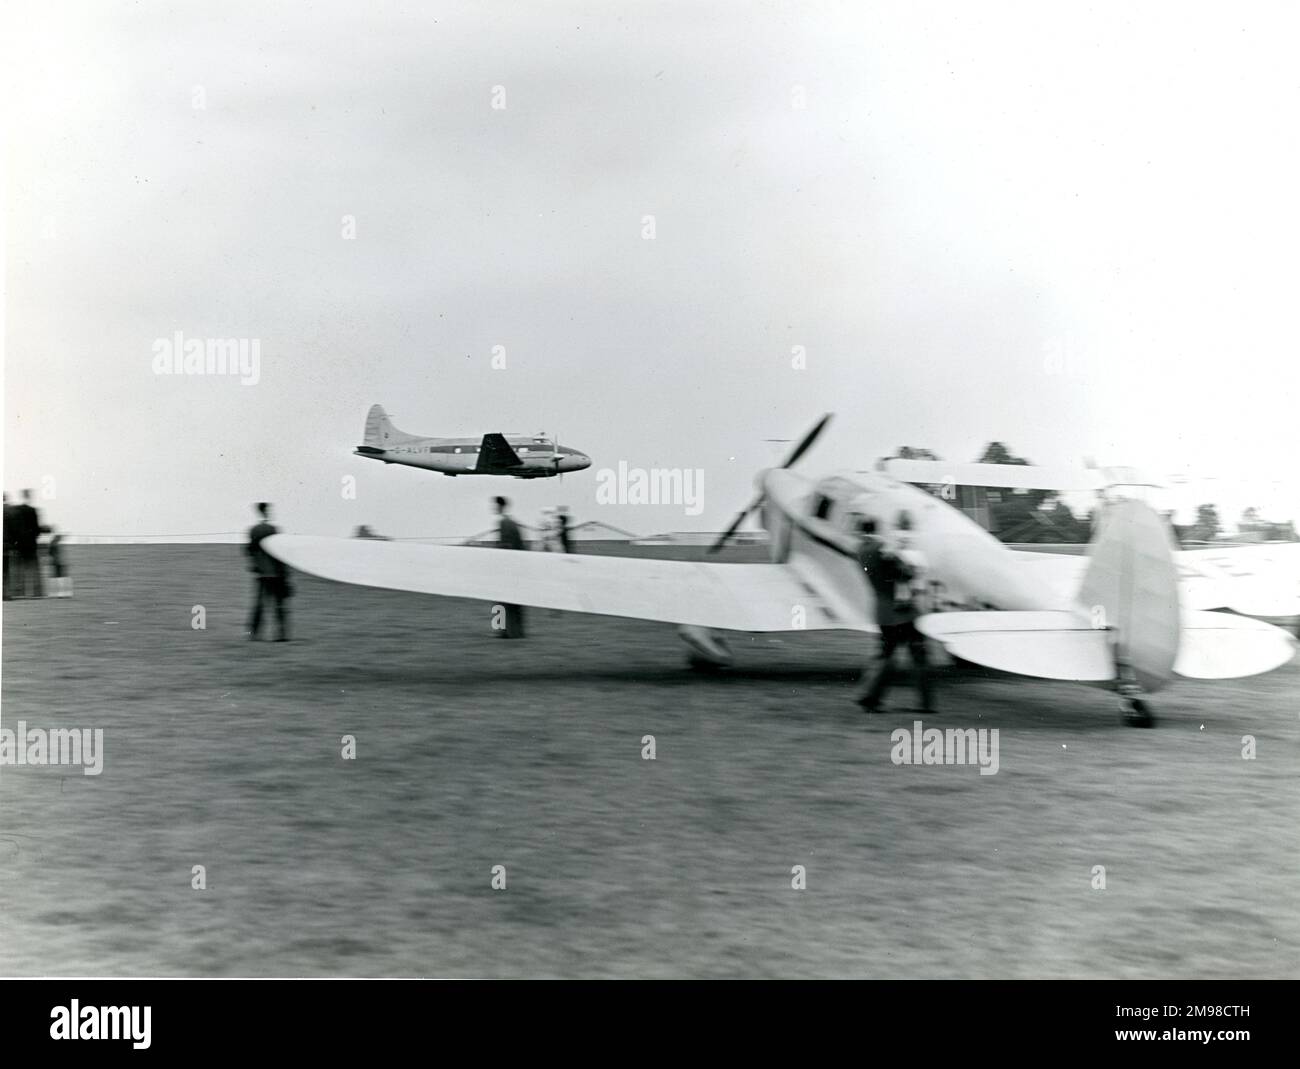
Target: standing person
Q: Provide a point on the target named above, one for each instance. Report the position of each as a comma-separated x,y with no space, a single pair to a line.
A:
562,528
27,537
60,580
10,548
889,576
272,577
510,537
546,526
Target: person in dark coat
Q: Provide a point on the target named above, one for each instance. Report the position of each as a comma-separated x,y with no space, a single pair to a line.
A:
27,535
562,529
889,576
271,577
11,548
510,537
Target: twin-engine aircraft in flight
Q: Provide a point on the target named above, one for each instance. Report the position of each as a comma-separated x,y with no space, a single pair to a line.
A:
516,455
1119,618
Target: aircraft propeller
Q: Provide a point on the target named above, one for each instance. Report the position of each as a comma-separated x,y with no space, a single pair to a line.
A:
799,450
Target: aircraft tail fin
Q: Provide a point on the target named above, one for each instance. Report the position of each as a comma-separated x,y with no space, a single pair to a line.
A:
1131,591
380,432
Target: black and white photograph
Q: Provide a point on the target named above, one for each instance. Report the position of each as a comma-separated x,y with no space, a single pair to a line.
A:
651,491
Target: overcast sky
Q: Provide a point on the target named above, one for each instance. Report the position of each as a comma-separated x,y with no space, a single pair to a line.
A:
1074,231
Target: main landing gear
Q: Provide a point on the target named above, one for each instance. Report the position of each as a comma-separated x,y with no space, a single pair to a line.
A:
707,650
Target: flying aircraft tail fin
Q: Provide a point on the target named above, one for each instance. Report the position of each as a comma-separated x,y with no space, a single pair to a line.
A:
1130,590
380,432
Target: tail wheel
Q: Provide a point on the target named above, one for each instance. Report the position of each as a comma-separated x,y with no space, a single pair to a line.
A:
1135,713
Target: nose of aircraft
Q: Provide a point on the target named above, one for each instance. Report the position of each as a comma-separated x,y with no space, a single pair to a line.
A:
574,462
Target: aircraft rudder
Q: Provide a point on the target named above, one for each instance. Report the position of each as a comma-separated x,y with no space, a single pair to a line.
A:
380,431
1131,589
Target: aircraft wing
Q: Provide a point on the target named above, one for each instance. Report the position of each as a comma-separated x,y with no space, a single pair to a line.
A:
1009,476
734,597
1251,580
497,453
1262,580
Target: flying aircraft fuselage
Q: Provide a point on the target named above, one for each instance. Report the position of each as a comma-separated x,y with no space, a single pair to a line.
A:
519,456
539,458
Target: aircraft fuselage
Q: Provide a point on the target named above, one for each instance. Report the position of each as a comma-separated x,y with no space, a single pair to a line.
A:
815,524
540,458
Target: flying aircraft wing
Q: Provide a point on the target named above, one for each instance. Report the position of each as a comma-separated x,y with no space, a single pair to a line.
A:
497,453
734,597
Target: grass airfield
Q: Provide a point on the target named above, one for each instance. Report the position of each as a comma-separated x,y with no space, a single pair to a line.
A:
473,752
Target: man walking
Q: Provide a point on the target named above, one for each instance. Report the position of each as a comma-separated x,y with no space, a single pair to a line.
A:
889,576
562,525
271,577
510,537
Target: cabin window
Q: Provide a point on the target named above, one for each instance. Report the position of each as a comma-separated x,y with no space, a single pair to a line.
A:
457,449
822,506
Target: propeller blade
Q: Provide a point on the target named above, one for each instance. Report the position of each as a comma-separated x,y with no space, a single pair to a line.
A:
798,451
808,440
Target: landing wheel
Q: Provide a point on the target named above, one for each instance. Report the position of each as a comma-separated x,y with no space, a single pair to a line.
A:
1135,713
696,663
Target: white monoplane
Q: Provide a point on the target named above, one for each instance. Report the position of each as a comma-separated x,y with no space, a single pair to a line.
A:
1122,624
